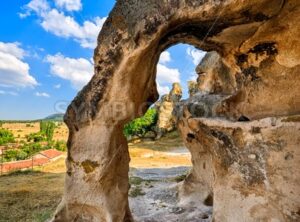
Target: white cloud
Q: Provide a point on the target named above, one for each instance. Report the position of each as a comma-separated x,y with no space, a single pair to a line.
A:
69,5
12,93
61,25
197,55
77,71
162,90
42,94
13,49
23,15
193,76
166,74
13,71
65,26
38,6
165,57
57,86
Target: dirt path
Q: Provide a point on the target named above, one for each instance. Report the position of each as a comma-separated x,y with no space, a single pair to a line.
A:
154,197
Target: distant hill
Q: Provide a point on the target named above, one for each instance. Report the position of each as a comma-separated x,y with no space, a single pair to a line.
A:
55,117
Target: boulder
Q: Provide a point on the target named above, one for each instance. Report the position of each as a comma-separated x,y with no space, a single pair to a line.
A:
166,121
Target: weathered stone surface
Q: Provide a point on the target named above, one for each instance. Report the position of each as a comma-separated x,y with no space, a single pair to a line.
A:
214,75
166,121
193,87
250,176
242,165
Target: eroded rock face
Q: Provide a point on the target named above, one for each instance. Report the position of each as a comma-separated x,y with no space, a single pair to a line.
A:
166,121
193,87
252,174
214,75
242,166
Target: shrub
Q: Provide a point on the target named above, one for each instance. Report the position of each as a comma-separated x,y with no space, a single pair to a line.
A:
45,134
60,145
21,155
24,152
140,126
16,154
10,155
32,148
136,191
6,136
36,137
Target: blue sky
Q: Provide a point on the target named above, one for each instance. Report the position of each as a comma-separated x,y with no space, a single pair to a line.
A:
46,50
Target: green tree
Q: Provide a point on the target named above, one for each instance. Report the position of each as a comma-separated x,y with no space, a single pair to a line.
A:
60,145
6,136
142,125
23,152
10,155
36,137
47,128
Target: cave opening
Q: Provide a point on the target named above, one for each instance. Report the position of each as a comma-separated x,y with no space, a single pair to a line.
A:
162,184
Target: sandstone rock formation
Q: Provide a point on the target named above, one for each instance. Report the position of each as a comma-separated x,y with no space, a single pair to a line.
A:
166,122
214,75
248,170
193,87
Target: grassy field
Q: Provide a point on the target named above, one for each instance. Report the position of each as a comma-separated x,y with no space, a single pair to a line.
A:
33,195
29,196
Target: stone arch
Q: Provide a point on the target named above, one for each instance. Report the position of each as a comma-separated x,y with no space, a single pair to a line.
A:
123,87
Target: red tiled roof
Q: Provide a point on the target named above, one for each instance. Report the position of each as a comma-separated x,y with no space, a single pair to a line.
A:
52,153
38,160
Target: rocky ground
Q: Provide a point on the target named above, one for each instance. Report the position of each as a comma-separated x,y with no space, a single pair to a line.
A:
154,197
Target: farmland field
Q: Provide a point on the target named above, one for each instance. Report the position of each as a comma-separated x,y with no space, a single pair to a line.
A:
20,130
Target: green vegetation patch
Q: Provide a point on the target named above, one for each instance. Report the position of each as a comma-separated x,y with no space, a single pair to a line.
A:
24,152
136,191
135,180
22,172
47,128
180,178
140,126
36,137
60,145
46,132
6,136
